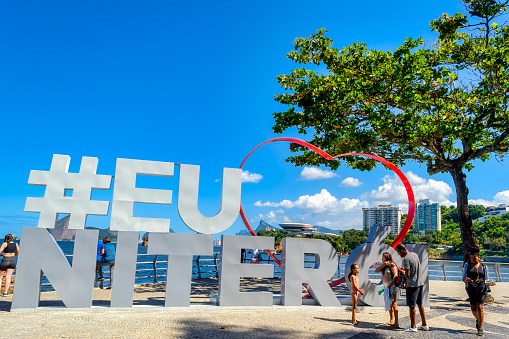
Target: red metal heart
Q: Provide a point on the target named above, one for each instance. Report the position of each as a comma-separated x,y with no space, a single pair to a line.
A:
406,183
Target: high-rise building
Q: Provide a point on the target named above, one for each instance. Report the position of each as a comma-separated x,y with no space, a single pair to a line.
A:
428,216
382,215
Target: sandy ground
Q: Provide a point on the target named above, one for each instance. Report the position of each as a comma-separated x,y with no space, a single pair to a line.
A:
448,316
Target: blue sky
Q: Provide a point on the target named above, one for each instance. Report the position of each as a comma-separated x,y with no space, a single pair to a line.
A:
193,83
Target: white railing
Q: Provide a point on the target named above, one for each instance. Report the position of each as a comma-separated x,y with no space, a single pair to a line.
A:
208,266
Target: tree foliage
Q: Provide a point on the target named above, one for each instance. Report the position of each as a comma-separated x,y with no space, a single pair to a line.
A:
443,106
450,214
277,234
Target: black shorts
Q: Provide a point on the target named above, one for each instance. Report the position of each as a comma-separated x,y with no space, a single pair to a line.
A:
7,262
476,297
414,296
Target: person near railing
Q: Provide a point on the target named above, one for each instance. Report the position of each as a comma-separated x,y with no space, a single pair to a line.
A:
8,264
108,258
475,275
100,253
254,256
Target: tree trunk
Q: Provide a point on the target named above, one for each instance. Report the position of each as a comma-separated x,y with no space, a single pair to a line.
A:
465,221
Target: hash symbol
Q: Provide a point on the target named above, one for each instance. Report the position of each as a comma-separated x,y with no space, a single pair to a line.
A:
57,180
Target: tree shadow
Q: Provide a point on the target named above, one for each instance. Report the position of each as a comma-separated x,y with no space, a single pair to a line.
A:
470,321
203,329
348,322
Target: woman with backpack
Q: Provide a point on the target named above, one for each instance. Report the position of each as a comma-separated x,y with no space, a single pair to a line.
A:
389,276
475,275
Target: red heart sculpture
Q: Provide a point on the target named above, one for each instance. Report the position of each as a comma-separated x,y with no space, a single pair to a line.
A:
406,183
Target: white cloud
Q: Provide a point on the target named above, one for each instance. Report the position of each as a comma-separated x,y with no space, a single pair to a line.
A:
320,203
393,190
414,179
403,206
285,203
314,173
499,198
350,182
326,203
251,177
386,193
273,217
448,203
480,202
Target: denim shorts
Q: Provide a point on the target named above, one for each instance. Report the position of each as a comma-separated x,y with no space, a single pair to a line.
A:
394,288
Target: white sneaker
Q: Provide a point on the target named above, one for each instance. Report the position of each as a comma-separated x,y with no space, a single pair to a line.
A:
423,328
410,329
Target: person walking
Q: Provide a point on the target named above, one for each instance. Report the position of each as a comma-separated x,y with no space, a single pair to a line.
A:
415,284
8,264
475,275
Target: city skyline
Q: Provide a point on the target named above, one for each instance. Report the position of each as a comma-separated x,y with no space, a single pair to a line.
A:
195,84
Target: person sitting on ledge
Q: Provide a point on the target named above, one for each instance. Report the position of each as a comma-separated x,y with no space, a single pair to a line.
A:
108,258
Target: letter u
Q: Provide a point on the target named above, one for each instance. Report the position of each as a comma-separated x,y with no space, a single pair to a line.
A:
188,200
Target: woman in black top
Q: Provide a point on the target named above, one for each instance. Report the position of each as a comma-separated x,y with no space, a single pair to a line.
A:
8,264
475,275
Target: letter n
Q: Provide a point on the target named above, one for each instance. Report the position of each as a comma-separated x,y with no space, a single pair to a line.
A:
39,252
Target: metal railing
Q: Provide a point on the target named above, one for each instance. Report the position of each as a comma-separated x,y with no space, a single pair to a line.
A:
450,270
208,266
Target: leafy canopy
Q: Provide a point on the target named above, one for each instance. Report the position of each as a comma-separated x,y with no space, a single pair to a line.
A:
443,105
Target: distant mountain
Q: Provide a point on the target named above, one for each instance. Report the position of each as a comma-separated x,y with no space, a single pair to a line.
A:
263,225
61,232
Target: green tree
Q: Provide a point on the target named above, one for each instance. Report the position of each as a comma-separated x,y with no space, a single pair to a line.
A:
444,105
450,214
447,214
428,238
477,211
498,244
409,238
277,234
353,238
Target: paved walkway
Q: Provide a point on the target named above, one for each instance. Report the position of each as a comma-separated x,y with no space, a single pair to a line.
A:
449,316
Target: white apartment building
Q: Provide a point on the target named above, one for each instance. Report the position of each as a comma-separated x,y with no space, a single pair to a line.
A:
382,215
492,211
